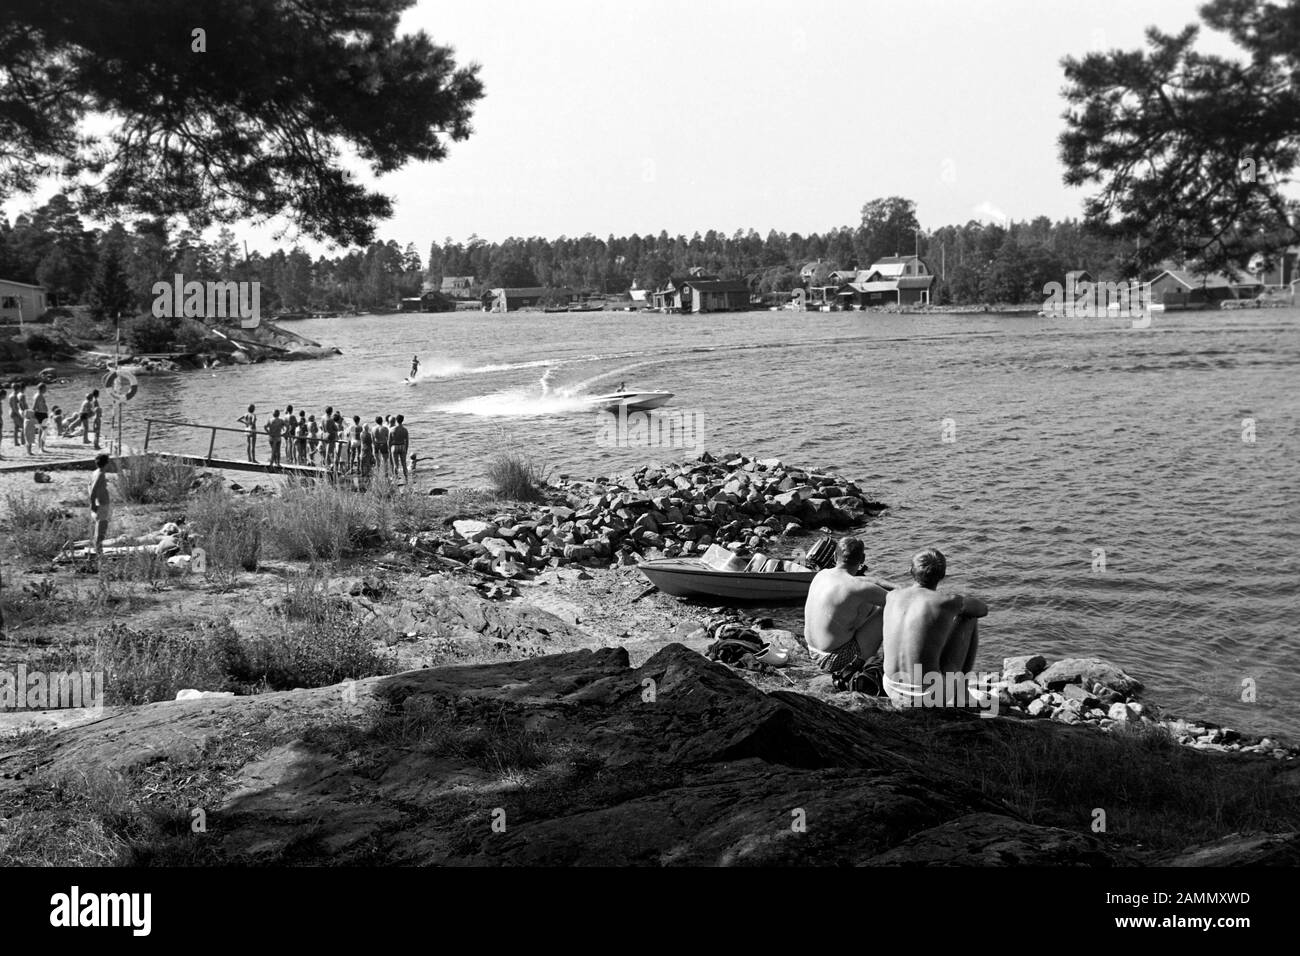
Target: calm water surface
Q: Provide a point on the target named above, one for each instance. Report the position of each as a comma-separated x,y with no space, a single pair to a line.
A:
1071,435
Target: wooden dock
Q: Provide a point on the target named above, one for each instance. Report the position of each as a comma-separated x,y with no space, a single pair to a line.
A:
230,464
61,454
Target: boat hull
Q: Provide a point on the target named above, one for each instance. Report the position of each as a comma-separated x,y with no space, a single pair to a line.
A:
632,401
688,577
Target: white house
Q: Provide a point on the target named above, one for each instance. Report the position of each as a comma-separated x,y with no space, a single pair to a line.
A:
19,300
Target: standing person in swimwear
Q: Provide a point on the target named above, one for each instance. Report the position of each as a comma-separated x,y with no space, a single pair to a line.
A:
927,633
381,433
29,429
275,431
101,504
289,424
15,414
354,443
415,365
398,441
842,613
300,433
84,415
96,416
249,421
41,406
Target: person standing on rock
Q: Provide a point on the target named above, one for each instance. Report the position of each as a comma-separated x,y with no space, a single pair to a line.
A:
842,617
929,638
101,504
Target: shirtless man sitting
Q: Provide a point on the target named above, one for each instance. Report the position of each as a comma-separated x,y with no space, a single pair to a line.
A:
926,633
842,614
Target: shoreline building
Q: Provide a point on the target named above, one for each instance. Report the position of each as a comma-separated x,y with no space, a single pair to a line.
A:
20,301
702,293
534,298
894,280
1184,289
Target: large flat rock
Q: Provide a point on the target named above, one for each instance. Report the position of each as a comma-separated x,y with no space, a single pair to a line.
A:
572,758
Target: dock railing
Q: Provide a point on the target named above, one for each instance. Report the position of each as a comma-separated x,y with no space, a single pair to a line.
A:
320,442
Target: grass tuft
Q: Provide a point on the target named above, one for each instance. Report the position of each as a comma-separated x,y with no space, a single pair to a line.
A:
517,477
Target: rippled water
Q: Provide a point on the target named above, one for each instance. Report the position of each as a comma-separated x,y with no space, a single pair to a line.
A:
1071,435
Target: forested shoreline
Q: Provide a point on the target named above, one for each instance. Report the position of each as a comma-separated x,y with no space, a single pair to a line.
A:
114,269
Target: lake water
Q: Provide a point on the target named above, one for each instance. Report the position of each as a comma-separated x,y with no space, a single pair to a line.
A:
1024,447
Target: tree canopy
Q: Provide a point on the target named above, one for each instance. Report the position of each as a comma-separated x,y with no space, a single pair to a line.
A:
1192,151
250,119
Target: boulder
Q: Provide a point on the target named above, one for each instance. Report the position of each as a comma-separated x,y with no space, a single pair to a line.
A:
473,530
1121,713
1015,669
1024,691
1039,706
1082,670
1075,692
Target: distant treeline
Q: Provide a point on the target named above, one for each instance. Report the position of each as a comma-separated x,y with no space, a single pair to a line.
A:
115,268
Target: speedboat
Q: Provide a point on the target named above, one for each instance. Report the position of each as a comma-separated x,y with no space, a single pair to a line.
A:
632,401
691,577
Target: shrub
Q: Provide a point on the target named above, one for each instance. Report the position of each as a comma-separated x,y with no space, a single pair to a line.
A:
35,530
317,522
316,653
144,666
148,479
150,333
41,345
516,477
228,530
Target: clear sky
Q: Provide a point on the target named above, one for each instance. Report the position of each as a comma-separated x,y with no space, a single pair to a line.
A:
622,116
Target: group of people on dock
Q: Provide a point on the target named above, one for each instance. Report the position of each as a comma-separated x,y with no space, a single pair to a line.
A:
33,422
331,441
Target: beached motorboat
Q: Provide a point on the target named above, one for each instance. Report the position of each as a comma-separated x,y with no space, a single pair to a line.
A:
632,401
691,577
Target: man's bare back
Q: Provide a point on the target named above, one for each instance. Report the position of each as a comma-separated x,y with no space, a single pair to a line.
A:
925,632
840,605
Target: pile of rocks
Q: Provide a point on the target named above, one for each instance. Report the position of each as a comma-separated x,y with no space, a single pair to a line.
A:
654,512
1078,690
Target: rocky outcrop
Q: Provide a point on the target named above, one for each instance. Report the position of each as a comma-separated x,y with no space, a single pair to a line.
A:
1270,849
564,759
654,512
1090,690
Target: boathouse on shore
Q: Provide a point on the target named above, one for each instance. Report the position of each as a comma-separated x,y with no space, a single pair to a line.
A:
533,297
702,293
1181,288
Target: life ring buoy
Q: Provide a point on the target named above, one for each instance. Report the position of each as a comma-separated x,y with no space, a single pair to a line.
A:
121,385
